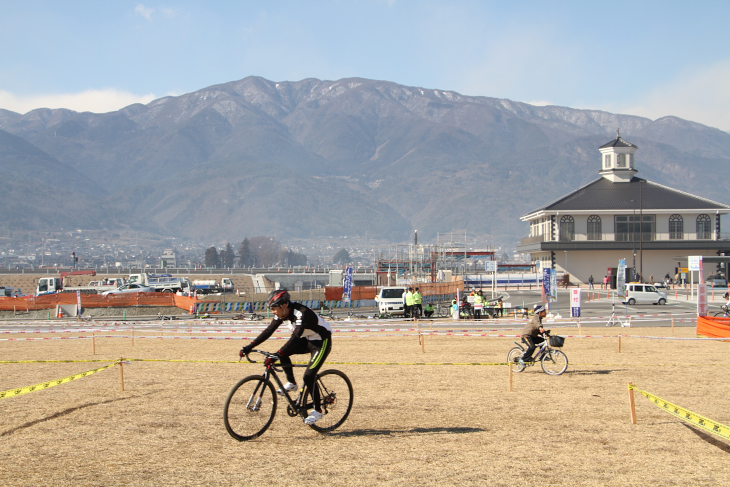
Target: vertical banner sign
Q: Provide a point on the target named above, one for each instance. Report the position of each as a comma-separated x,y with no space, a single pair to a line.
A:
553,284
78,304
347,286
621,278
702,299
575,303
545,285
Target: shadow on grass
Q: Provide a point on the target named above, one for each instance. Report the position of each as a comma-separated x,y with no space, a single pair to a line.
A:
708,438
592,372
63,413
408,432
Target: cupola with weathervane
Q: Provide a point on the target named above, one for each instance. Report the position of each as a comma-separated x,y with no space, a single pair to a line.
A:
617,160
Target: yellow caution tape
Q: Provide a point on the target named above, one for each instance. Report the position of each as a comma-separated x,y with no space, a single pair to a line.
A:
50,361
45,385
688,416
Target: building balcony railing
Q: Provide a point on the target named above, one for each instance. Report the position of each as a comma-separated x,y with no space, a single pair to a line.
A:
532,240
627,237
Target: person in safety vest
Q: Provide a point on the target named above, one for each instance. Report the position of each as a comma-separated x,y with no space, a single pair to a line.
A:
409,303
417,299
428,310
478,305
310,334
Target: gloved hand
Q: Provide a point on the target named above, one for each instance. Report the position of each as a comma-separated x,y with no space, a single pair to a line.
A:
271,360
245,350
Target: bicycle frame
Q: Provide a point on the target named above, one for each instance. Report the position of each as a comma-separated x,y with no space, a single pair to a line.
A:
539,350
271,372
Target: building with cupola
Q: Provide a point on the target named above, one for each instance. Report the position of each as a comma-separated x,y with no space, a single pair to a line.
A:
622,216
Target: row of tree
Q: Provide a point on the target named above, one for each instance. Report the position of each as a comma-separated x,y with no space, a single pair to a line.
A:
258,251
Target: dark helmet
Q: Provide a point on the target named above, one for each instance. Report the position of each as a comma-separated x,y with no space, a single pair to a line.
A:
539,308
278,297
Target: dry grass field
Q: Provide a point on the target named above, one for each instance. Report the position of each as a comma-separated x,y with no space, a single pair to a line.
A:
411,424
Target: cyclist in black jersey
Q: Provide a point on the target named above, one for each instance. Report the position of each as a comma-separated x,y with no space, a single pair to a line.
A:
310,334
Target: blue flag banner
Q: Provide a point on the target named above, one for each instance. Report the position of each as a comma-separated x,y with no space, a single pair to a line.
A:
621,278
546,285
347,286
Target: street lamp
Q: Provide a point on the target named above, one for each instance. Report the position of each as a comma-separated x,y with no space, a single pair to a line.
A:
641,231
633,240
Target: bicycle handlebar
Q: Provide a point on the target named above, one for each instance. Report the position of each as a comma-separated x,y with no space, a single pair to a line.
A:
262,352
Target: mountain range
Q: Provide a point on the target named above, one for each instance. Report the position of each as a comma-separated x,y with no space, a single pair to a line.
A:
317,158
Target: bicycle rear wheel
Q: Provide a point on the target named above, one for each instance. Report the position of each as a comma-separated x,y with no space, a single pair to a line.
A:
721,314
554,362
250,408
335,393
513,358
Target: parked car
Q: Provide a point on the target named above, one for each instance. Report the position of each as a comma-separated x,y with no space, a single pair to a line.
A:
718,280
644,294
130,288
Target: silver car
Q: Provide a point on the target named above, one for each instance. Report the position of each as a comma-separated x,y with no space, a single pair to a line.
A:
129,288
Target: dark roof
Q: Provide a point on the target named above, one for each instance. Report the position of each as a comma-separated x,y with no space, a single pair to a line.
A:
602,194
618,142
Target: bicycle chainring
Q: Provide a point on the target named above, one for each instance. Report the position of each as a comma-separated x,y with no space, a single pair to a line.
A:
291,412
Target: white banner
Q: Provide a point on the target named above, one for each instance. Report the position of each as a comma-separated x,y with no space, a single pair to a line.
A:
575,303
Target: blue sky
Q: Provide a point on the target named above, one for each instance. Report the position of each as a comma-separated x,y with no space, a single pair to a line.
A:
649,58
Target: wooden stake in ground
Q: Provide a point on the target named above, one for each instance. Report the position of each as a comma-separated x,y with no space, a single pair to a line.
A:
93,344
580,333
672,325
619,344
509,367
632,404
121,375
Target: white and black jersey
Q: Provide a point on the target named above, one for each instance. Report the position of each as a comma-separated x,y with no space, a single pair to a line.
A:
302,322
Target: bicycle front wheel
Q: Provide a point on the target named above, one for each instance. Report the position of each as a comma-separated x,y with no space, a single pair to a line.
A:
721,314
250,408
335,395
513,358
554,362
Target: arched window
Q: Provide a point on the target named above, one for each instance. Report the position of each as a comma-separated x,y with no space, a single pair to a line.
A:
676,227
567,228
594,228
704,229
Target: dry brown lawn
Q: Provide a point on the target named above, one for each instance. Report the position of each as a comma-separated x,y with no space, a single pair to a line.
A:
410,425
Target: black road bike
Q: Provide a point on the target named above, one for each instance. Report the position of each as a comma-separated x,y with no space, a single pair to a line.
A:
251,405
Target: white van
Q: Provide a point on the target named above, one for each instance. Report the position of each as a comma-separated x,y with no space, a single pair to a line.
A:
390,300
644,294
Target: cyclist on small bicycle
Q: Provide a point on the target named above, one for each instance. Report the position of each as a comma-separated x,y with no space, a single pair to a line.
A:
310,334
532,334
